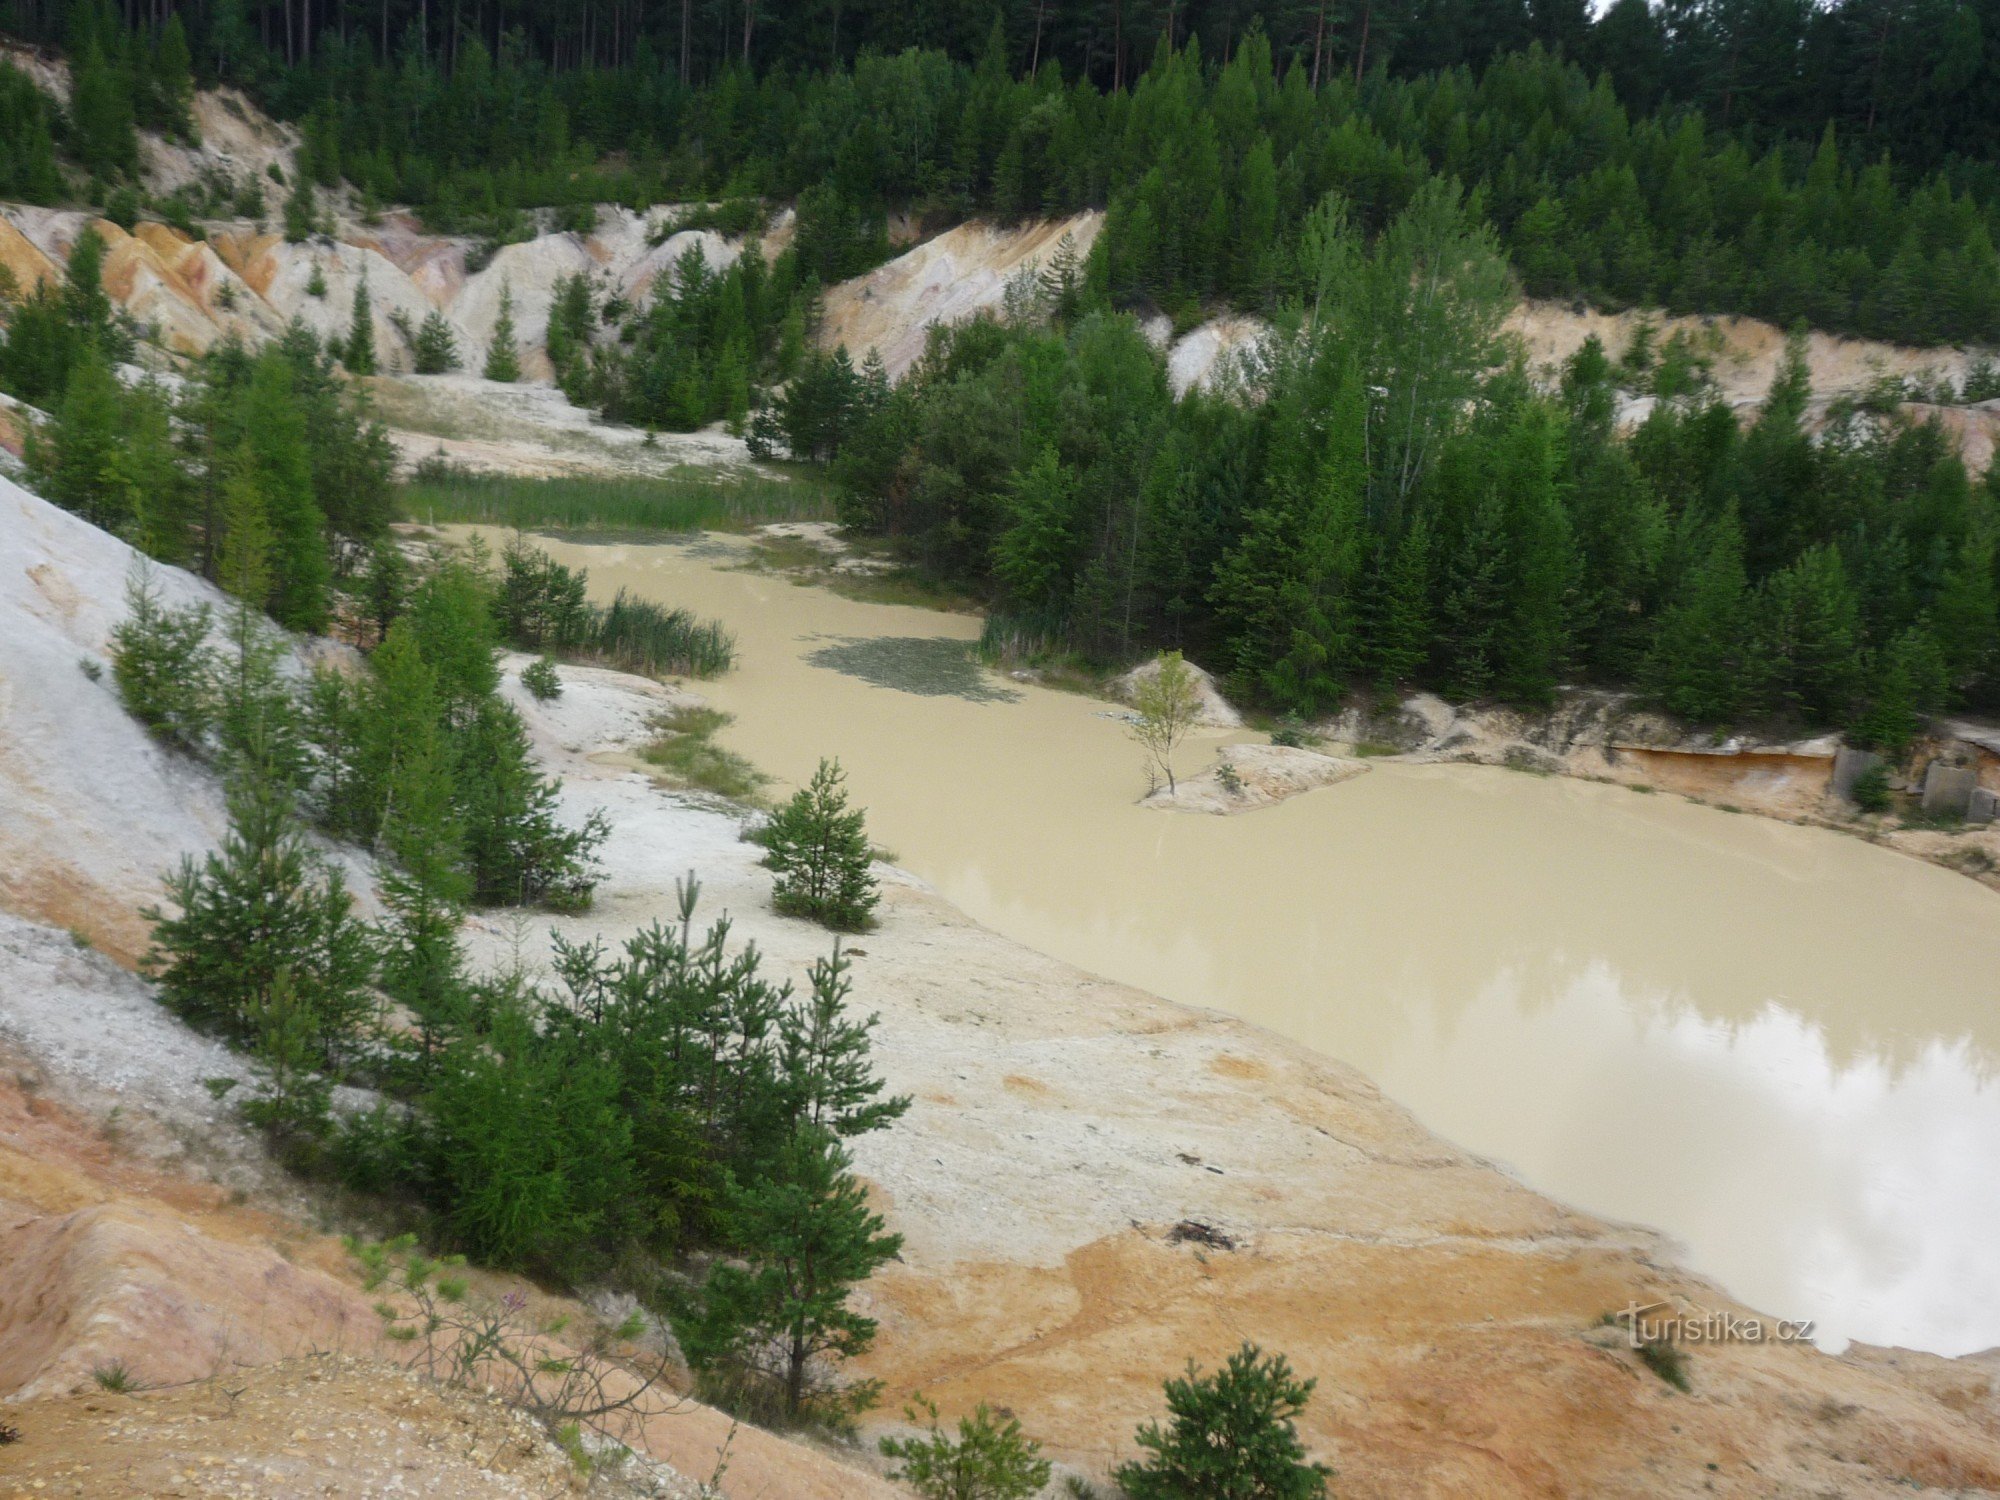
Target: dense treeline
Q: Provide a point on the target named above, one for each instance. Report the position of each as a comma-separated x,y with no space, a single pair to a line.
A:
1390,510
1919,78
1827,163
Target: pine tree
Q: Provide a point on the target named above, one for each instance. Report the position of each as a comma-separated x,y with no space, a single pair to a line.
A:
257,916
524,1147
807,1238
827,1077
518,851
358,353
989,1458
821,855
1231,1434
503,359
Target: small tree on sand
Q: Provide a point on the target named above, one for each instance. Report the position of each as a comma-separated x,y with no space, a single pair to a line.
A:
778,1319
1230,1438
503,360
989,1459
821,854
1168,701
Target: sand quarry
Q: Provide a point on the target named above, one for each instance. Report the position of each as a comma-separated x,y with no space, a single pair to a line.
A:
1216,1182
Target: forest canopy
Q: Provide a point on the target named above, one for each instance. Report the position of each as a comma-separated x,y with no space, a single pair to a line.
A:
1832,164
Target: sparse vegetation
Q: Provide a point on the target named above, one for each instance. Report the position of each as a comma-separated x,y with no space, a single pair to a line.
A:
116,1377
683,748
1665,1359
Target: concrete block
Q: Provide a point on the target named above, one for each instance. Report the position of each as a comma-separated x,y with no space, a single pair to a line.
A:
1848,764
1948,789
1984,806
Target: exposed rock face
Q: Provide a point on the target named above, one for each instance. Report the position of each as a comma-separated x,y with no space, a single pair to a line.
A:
1214,711
958,275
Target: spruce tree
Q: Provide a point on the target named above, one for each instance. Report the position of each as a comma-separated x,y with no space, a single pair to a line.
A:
1401,636
101,115
173,78
435,347
1702,663
301,210
821,855
1910,684
358,352
278,455
503,359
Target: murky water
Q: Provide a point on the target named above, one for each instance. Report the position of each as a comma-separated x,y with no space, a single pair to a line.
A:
1774,1043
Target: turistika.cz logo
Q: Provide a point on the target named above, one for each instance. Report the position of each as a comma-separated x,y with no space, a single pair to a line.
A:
1663,1322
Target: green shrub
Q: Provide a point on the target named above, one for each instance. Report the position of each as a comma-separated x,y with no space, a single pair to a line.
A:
1871,789
988,1459
121,207
265,949
164,669
820,851
1230,1433
1666,1360
540,678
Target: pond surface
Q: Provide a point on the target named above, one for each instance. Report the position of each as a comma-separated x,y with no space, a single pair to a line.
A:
1774,1043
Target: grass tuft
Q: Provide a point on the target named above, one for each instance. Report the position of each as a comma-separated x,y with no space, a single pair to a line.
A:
115,1377
1665,1360
684,749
